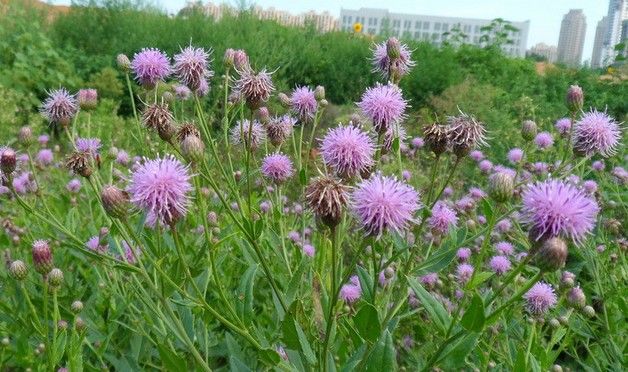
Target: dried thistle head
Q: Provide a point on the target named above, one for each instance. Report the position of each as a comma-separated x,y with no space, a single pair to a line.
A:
187,129
465,133
327,197
159,118
80,163
436,138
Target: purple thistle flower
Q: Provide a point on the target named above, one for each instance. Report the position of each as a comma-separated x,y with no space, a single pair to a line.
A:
589,186
254,88
485,166
60,107
182,92
383,203
122,157
417,142
540,167
203,88
555,208
384,105
463,254
308,250
442,219
130,253
543,140
240,133
384,65
87,98
596,132
406,175
540,298
43,140
598,165
45,156
94,244
280,128
348,150
464,272
89,145
447,192
476,155
499,264
503,226
620,174
74,185
160,187
504,248
351,291
563,126
476,193
191,67
481,219
515,155
303,103
150,66
277,167
429,280
23,183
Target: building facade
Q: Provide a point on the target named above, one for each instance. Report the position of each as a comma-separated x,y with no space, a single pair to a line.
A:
598,43
571,39
617,14
434,29
550,52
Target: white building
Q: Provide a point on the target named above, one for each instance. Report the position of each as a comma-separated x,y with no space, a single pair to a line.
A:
429,28
617,13
550,52
598,43
573,29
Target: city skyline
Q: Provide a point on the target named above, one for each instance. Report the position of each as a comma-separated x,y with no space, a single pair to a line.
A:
544,25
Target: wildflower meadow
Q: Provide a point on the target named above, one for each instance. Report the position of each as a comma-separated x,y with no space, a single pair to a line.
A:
194,208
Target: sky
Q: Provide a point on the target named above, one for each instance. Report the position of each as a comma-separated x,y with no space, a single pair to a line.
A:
545,16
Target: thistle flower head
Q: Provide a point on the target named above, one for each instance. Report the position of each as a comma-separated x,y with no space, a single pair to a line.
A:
499,264
74,185
255,88
42,256
442,219
348,150
384,105
327,197
279,129
563,126
352,291
504,248
384,204
150,66
244,131
515,155
463,254
303,103
555,208
540,298
181,92
277,167
158,117
465,133
464,271
80,163
87,99
400,64
60,107
543,140
160,187
191,67
88,145
596,132
187,129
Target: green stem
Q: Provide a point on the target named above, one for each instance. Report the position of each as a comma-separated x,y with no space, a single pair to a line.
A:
432,178
333,300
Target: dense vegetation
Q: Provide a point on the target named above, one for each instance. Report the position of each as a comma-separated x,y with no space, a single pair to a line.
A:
333,243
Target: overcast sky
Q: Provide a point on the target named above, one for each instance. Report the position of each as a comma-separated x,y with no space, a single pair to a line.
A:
544,15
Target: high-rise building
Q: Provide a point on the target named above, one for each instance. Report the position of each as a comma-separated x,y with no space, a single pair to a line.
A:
550,52
598,43
617,13
434,29
571,39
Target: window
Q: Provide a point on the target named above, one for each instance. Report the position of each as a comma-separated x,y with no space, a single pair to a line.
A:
407,24
426,36
407,34
396,23
426,26
477,29
467,29
435,36
417,34
437,26
371,31
445,27
349,18
417,25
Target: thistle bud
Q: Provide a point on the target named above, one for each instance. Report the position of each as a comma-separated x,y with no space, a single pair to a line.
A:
159,118
123,62
263,115
87,99
8,160
324,103
55,277
212,218
79,324
5,341
192,149
229,58
588,311
62,325
563,320
18,270
557,368
26,135
42,257
327,198
319,92
567,279
552,254
168,97
576,297
76,306
528,130
284,100
554,323
115,201
501,186
575,98
240,60
393,48
79,163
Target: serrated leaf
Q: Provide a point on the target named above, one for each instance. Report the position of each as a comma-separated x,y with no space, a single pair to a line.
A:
434,308
474,317
367,322
382,357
